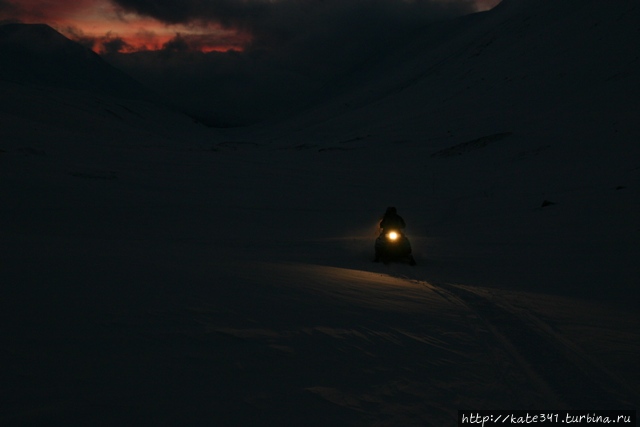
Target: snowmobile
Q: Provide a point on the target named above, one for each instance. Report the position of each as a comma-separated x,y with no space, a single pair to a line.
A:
393,246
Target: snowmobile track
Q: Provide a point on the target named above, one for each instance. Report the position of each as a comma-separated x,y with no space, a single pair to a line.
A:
556,370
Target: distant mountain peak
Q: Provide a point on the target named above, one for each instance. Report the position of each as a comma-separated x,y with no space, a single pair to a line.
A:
40,30
40,38
38,55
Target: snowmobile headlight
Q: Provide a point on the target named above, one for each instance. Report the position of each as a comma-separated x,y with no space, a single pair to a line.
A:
393,235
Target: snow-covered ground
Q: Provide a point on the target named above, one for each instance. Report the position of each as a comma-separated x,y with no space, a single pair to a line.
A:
155,272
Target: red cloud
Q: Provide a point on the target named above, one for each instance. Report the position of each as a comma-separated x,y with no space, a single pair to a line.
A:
105,28
220,25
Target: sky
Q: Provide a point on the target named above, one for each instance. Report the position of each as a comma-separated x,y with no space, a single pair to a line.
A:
109,26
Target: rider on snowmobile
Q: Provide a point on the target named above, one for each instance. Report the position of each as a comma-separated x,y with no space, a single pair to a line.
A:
391,220
391,244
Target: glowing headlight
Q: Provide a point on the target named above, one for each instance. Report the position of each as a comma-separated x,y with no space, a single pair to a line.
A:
392,236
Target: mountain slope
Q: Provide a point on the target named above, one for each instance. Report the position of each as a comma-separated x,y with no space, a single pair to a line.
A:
37,54
52,88
528,62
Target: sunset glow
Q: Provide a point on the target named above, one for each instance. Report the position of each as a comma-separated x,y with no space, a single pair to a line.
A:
146,34
123,26
101,26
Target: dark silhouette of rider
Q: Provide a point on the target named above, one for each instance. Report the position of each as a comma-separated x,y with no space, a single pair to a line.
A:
391,220
400,249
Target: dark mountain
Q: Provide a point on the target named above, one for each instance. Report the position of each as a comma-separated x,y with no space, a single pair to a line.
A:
55,90
524,62
36,54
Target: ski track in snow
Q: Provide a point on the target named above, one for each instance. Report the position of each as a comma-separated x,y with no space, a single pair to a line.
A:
560,373
554,366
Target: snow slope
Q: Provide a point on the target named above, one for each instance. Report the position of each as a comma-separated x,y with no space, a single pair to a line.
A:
157,273
559,66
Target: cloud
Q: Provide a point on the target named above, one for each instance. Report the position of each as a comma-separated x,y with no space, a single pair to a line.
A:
108,43
177,44
225,12
8,12
105,26
207,42
114,45
281,21
236,24
79,36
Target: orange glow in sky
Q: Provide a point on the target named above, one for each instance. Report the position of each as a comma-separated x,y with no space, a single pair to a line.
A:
148,35
105,27
99,22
